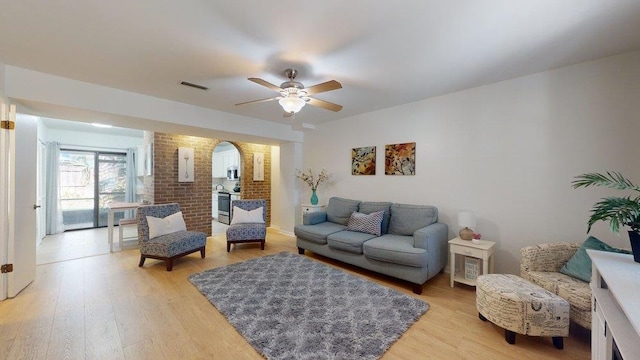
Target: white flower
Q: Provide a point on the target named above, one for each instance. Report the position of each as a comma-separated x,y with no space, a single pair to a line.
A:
310,179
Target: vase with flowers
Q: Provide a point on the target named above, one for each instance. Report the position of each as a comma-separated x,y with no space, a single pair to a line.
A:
313,181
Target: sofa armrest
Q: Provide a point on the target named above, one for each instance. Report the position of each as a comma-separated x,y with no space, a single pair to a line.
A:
546,257
433,238
314,218
430,235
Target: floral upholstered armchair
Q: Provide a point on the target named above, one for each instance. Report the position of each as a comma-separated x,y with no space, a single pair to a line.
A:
541,264
248,222
162,234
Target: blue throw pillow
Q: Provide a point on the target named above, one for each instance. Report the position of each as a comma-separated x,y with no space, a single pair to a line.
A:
579,266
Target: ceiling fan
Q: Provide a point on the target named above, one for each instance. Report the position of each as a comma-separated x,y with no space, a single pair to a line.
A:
293,95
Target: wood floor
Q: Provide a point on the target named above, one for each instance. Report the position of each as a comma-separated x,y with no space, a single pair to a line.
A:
105,307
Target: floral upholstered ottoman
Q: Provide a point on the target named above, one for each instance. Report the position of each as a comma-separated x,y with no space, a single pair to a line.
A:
519,306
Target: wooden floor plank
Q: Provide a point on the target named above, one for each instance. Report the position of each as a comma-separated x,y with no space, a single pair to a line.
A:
105,306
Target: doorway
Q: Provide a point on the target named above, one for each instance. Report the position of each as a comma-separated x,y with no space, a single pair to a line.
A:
89,180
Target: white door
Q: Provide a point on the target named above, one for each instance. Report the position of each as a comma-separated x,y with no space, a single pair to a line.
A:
41,220
22,252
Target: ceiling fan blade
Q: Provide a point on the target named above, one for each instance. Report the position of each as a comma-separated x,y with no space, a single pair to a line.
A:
325,86
266,84
259,101
324,104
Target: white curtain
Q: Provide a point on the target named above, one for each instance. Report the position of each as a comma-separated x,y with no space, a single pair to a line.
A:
131,180
54,209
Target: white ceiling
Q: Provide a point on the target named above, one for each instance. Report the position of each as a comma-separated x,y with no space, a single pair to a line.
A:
384,53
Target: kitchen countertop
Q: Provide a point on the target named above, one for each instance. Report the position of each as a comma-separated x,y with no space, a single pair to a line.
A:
228,191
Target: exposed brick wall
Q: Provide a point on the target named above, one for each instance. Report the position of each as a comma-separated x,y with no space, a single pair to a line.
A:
195,198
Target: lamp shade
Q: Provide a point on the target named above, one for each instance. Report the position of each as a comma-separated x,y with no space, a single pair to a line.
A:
291,104
467,219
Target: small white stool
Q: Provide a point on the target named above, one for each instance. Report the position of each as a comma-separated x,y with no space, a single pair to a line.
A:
121,224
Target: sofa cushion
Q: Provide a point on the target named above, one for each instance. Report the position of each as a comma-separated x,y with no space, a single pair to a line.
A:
366,223
350,241
579,265
318,232
576,292
405,219
368,207
395,249
339,210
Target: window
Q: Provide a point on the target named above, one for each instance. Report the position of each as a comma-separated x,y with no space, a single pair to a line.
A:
85,192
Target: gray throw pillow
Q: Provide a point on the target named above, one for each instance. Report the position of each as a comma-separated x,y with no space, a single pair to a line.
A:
339,210
366,223
368,207
406,219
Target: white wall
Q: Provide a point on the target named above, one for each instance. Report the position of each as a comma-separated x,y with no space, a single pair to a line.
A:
507,151
92,140
289,199
276,189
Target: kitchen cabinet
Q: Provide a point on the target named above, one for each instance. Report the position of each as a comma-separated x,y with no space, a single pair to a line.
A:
214,205
222,160
234,197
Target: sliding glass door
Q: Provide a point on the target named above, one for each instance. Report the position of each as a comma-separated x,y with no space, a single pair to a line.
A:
89,180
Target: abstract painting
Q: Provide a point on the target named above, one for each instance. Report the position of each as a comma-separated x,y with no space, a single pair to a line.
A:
363,160
400,159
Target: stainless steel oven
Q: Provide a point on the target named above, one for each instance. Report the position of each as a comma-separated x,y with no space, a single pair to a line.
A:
224,207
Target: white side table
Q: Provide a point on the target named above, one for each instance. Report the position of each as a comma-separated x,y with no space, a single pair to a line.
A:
483,249
313,208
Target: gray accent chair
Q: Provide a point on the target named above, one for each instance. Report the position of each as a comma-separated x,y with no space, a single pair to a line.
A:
248,232
170,246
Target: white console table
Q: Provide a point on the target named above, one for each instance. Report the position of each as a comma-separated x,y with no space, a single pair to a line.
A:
615,287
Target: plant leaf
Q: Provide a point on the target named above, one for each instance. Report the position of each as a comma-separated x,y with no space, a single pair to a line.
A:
618,211
612,179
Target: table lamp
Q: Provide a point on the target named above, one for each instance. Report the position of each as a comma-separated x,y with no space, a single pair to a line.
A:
466,220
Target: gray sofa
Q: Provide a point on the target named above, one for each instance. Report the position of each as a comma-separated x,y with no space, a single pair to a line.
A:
412,244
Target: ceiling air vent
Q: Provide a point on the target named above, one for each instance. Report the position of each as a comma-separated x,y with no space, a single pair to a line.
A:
185,83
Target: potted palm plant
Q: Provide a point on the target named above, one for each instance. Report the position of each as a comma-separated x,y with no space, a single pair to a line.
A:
618,211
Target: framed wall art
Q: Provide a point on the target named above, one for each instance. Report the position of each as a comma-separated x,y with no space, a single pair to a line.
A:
258,166
400,159
363,160
185,164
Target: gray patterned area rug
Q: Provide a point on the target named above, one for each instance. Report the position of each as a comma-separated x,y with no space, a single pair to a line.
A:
290,307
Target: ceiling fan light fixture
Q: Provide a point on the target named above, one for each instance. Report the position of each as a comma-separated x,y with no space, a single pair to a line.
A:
291,104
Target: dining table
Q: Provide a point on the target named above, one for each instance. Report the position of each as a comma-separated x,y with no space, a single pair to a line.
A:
113,208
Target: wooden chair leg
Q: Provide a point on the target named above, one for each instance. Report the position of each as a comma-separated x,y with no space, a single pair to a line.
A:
261,245
202,252
169,263
228,246
142,259
301,251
